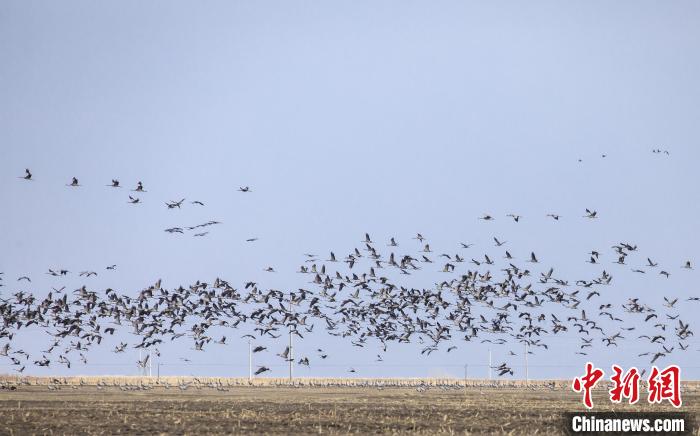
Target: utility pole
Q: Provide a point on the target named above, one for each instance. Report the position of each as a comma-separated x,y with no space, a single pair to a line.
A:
158,372
466,368
291,355
250,361
526,368
291,344
489,364
150,365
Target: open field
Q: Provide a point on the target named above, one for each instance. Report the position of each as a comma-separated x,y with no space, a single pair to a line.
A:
219,406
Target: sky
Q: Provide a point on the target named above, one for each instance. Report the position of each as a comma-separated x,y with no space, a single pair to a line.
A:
347,117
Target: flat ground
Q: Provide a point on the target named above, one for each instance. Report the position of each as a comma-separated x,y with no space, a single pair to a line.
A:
299,410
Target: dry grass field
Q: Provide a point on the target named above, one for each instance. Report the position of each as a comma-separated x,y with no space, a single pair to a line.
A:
310,406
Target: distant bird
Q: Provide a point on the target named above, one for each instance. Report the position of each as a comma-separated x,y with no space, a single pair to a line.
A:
269,269
112,267
133,200
670,303
174,204
259,348
486,218
251,239
74,183
261,370
142,363
687,265
139,187
656,357
24,278
27,174
499,243
244,189
115,184
503,369
590,214
516,218
197,202
285,354
554,216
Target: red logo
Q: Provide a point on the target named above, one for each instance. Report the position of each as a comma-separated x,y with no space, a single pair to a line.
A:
588,382
625,387
665,385
662,385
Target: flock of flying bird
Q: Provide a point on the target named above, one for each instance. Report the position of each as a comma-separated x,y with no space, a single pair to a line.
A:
133,199
360,296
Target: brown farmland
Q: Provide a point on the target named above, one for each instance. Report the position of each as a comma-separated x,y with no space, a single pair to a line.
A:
172,405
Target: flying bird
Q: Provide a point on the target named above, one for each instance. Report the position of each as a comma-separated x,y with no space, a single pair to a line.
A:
174,204
590,214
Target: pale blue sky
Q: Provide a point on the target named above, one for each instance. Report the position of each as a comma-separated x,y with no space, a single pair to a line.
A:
347,117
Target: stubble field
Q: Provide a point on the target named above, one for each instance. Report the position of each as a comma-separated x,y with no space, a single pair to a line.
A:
199,407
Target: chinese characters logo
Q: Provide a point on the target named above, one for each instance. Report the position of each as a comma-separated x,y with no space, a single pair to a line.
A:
661,385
